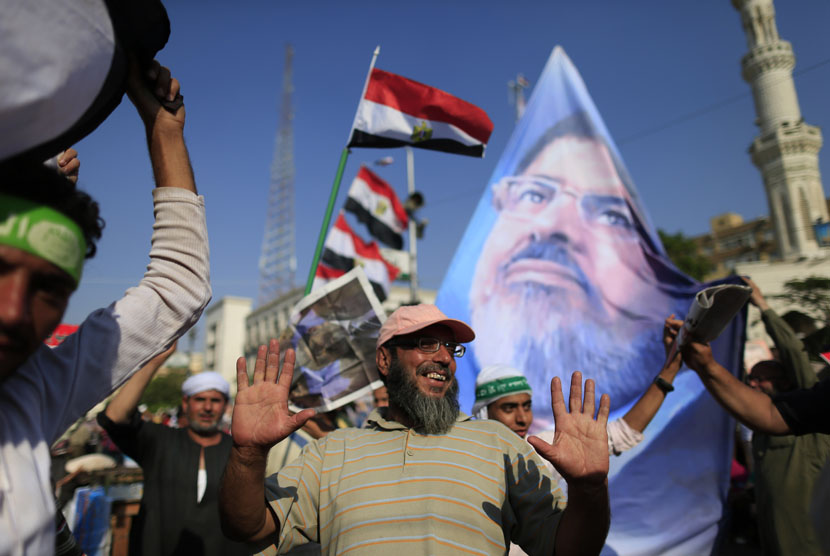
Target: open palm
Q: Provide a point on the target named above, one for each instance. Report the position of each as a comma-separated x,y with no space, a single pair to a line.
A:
579,450
261,417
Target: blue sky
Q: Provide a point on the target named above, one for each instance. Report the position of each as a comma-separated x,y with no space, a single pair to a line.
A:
664,75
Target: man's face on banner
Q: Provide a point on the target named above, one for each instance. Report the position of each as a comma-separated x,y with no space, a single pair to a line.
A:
562,283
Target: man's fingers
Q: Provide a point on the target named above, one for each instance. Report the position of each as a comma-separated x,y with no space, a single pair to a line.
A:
576,392
287,369
542,448
604,409
557,400
299,419
272,362
589,404
162,84
241,374
259,367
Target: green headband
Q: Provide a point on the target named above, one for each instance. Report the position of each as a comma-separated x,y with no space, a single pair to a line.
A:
502,387
43,232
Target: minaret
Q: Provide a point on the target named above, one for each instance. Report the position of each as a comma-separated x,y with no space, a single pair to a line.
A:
786,150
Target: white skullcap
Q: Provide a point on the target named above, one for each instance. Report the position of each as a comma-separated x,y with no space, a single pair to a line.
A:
495,382
204,381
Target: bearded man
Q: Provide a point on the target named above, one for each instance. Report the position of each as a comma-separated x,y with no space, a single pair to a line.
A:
182,467
569,277
421,477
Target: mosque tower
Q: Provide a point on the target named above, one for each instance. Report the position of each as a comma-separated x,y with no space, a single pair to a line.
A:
786,150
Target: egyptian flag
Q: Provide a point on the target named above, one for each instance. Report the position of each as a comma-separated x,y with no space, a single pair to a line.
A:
344,249
375,204
397,111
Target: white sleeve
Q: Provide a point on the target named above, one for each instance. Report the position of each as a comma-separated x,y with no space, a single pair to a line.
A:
113,343
622,437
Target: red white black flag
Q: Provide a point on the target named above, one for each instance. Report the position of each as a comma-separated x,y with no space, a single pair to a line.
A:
374,202
344,249
397,111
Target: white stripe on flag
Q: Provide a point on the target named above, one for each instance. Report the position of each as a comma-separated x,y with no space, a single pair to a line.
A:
341,243
379,119
363,194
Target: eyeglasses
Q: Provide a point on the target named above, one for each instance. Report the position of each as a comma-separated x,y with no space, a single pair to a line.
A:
527,196
430,345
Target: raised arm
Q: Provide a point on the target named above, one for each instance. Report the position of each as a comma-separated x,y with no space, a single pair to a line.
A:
752,408
261,418
791,352
164,127
123,404
642,412
580,453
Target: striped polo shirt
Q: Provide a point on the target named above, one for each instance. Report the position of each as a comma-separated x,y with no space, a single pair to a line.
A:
388,488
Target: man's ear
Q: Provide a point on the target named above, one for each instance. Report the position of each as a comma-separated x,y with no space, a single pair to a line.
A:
383,358
184,404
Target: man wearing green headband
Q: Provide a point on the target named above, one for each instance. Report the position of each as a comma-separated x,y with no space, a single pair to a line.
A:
47,229
503,394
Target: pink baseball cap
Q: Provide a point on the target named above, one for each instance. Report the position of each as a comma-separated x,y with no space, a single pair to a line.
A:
411,318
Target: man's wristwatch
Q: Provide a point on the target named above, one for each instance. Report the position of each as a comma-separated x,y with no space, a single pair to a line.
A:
663,384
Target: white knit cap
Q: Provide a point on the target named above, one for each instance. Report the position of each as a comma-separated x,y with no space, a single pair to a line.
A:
204,381
495,382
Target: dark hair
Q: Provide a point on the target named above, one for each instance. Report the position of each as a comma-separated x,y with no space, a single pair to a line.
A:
37,183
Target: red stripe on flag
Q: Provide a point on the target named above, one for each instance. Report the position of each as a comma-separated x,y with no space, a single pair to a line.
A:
422,101
363,249
328,273
380,187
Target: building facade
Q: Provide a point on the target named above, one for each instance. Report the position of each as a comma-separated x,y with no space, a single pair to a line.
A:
225,336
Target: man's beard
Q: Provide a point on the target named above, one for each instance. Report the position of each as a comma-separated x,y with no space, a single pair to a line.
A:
534,329
432,415
204,430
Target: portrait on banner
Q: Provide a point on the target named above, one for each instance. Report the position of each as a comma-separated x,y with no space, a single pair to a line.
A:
566,279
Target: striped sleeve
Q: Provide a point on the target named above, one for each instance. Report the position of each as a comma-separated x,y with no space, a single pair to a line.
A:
294,495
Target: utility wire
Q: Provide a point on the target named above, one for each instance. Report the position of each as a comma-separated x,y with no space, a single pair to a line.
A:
661,127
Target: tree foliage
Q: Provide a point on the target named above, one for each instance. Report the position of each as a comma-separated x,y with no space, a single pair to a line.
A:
683,253
165,391
811,293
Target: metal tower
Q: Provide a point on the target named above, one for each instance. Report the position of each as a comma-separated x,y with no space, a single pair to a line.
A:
278,263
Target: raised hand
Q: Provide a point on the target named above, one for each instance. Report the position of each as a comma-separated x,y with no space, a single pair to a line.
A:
580,444
69,165
148,89
670,329
261,417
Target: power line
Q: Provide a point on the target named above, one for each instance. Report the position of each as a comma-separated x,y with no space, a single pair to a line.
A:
666,125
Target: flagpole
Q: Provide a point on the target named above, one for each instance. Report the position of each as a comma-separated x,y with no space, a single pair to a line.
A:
413,246
335,188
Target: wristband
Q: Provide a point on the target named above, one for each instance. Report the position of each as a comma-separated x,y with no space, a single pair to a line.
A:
663,384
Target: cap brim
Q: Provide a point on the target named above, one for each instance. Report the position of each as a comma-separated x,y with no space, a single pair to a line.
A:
460,330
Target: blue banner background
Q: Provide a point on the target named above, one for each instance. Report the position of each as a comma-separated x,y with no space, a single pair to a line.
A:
666,493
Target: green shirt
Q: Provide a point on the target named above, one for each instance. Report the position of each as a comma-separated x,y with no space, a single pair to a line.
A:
787,466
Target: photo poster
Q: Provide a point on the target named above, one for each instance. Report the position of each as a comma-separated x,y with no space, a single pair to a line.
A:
561,269
333,331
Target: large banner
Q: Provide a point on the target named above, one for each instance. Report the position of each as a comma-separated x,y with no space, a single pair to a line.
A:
560,269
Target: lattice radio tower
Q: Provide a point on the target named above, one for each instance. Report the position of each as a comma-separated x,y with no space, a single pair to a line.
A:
278,263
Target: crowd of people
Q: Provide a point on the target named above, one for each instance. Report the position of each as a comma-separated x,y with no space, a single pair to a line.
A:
419,476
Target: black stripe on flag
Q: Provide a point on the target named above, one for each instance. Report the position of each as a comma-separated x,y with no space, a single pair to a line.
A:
362,139
335,260
339,262
377,228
